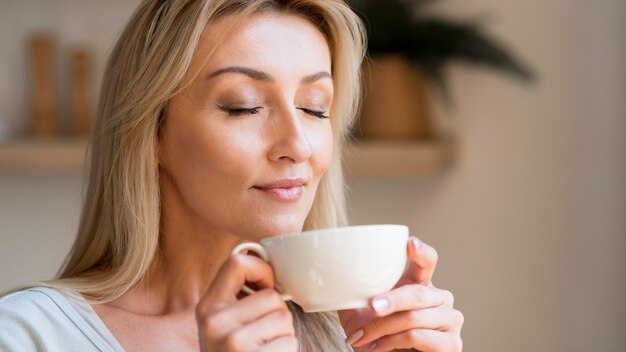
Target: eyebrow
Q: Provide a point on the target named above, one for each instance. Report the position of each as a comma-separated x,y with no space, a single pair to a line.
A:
265,77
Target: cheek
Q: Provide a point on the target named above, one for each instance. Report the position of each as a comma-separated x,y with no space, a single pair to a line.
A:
206,149
322,145
230,155
211,161
214,150
213,167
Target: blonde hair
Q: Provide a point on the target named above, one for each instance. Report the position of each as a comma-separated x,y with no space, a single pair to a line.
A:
118,235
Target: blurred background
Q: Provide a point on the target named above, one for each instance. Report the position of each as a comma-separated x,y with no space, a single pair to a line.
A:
519,184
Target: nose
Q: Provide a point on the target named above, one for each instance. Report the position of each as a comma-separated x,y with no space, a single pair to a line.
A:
289,138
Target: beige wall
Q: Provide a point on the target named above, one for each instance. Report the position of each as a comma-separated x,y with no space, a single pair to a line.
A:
529,224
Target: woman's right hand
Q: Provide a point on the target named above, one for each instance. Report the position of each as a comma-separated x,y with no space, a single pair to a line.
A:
257,322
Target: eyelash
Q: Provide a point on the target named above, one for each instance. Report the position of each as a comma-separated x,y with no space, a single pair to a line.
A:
239,112
319,114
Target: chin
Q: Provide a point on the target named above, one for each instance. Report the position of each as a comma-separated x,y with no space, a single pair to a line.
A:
280,225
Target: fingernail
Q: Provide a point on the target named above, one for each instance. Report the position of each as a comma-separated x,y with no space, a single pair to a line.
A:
380,305
372,345
355,337
417,244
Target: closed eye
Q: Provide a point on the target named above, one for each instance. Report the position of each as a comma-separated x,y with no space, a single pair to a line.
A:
319,114
240,111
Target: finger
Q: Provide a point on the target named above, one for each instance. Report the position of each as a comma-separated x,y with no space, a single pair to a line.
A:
244,311
231,277
424,340
261,331
423,260
439,318
410,297
281,344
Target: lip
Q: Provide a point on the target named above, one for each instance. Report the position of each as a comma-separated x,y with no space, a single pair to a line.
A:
283,183
284,190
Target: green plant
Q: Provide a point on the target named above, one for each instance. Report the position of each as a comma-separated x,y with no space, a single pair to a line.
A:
430,42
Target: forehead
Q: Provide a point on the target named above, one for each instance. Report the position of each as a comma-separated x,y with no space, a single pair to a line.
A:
271,42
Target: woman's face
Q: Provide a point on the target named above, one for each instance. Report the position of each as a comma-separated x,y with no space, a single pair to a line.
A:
255,116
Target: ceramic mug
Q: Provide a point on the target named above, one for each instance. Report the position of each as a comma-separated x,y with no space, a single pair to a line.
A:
334,268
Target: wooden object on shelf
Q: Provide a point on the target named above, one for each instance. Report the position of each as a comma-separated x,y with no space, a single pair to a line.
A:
44,109
81,100
419,158
42,156
395,100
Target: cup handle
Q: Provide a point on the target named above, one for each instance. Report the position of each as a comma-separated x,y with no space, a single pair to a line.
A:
258,249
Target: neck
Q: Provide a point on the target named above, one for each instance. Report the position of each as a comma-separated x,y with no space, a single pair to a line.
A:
190,255
185,268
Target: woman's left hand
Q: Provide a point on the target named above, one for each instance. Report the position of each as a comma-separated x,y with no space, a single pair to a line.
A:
414,315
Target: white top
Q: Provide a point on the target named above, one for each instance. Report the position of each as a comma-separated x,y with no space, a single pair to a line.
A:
45,319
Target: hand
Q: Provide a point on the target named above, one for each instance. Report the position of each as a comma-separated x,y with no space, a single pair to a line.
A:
414,315
257,322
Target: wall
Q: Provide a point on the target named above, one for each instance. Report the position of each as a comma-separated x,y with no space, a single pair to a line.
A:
89,24
39,212
529,223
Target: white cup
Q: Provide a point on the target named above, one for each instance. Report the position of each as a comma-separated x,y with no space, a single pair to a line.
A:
335,268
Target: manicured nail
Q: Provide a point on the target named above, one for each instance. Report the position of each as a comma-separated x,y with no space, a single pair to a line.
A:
417,244
372,345
355,337
381,304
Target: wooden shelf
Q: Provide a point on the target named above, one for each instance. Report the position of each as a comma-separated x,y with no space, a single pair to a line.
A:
420,158
42,156
423,158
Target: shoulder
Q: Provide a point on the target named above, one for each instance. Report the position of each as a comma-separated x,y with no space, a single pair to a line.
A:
28,298
33,319
29,305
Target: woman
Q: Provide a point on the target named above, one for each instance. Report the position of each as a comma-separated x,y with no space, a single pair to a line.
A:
220,121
